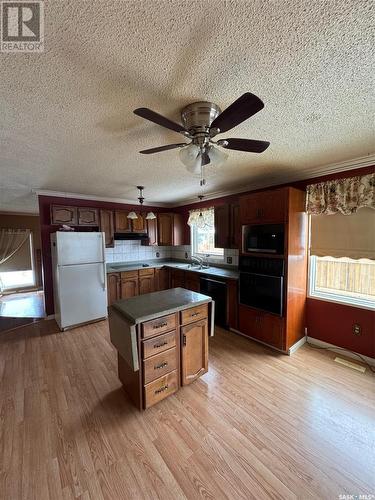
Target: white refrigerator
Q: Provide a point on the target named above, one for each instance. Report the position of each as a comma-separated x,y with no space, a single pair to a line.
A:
79,277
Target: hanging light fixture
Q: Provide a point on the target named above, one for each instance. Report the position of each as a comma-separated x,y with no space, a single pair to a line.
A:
133,215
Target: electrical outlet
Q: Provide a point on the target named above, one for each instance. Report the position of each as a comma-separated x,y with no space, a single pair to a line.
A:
186,255
157,254
229,260
357,329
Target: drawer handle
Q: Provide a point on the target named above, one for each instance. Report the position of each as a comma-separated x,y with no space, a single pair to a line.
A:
160,325
156,346
162,389
195,314
162,365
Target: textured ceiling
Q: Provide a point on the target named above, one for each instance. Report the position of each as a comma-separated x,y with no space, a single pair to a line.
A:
66,115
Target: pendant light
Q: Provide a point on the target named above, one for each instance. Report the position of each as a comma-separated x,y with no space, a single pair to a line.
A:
132,215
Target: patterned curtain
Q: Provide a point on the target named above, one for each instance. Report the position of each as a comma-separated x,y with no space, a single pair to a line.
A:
341,195
202,217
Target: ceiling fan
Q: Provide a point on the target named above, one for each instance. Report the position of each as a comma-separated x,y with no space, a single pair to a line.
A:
202,121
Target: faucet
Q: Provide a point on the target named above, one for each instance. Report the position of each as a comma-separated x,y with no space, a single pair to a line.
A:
196,260
205,262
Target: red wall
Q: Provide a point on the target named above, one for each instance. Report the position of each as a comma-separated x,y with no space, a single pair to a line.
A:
46,229
333,323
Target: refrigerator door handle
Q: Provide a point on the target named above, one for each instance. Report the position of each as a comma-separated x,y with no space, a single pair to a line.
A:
104,265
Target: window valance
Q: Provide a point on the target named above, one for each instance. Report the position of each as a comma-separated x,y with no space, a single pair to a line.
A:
342,195
202,217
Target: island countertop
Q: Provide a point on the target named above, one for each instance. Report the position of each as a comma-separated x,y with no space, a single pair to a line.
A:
152,305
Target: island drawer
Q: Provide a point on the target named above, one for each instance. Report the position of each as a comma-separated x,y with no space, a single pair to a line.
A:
160,388
158,344
159,365
159,325
194,314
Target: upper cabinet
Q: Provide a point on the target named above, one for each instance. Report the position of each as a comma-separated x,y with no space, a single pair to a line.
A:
152,232
139,224
227,226
170,229
122,223
107,226
88,216
264,207
61,214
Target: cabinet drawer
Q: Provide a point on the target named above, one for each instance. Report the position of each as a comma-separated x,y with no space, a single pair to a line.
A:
146,272
159,325
159,344
194,314
159,365
129,274
160,388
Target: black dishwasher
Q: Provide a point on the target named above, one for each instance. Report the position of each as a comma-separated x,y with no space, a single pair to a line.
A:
217,290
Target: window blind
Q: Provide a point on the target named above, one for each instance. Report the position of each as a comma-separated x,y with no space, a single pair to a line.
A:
339,235
21,260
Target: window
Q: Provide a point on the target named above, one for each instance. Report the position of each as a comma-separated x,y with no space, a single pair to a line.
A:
203,235
18,273
343,280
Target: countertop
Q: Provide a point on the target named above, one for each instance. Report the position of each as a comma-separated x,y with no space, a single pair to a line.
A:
153,305
219,272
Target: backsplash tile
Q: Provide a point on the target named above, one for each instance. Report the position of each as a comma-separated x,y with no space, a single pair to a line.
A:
129,251
179,253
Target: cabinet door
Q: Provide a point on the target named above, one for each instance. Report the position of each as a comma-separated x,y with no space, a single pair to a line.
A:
152,232
265,207
192,281
272,329
222,236
129,287
146,284
88,216
235,227
122,223
165,229
161,279
194,355
113,287
139,225
63,215
177,278
107,226
249,321
177,230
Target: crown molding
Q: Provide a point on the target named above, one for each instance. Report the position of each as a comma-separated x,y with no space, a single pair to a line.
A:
23,214
366,161
79,196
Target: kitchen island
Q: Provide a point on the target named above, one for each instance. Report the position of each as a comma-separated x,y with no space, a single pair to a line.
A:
162,342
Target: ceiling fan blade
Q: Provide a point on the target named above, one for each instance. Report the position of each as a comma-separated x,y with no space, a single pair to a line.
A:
150,115
249,145
163,148
205,159
239,111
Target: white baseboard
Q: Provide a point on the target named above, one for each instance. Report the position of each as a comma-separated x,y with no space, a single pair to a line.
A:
51,316
297,345
341,350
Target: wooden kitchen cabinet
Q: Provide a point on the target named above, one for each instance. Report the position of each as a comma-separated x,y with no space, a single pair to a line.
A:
146,284
194,351
152,232
122,223
107,226
170,229
192,281
139,224
177,278
129,284
266,327
227,226
162,279
88,216
61,214
264,207
113,287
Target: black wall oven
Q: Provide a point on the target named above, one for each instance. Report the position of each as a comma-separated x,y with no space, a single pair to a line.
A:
262,283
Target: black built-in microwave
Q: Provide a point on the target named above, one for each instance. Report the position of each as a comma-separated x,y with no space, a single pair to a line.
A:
263,238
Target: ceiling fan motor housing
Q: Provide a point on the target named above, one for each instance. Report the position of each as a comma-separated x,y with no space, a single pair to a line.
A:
197,118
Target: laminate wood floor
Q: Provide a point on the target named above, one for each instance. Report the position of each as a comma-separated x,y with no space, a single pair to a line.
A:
257,425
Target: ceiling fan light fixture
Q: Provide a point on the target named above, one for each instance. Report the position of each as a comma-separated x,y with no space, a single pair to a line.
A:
217,156
196,167
188,155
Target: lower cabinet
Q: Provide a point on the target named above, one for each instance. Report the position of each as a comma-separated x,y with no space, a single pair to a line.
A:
267,328
129,284
177,278
162,279
192,281
113,287
194,351
146,284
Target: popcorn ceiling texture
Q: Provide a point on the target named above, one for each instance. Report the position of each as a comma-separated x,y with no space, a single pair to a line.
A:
66,115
